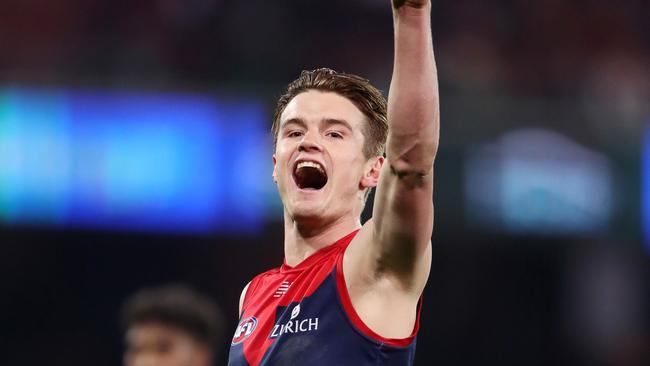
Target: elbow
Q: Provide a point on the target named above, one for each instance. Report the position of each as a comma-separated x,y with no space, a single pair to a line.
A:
410,173
413,160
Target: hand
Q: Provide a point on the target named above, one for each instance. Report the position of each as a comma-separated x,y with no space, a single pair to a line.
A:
410,3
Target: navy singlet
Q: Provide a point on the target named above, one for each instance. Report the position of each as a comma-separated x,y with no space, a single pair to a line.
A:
303,315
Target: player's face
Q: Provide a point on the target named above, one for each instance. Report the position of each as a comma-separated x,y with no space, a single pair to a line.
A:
319,163
160,345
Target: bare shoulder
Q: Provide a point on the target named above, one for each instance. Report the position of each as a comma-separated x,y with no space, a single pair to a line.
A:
242,297
376,292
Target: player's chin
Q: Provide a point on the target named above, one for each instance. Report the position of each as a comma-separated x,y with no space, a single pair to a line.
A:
308,204
309,192
306,214
308,201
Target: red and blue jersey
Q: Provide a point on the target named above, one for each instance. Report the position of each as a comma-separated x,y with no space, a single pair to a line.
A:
303,315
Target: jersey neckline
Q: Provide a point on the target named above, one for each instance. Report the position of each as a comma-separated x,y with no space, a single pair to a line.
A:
317,255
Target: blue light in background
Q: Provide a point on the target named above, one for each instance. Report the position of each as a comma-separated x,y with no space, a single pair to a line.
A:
537,181
132,161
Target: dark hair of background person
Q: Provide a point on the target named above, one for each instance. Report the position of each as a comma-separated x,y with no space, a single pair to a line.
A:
176,306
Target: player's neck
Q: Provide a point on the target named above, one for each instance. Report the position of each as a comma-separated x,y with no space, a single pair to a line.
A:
301,241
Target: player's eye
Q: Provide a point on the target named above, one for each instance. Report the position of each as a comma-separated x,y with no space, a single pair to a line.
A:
294,133
335,134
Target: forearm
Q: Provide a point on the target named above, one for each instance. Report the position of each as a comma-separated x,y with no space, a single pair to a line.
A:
413,109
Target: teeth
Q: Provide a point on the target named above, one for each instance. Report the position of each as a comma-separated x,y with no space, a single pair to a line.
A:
304,164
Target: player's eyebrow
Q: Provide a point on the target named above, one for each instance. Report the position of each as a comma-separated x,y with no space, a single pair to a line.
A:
334,121
327,121
294,121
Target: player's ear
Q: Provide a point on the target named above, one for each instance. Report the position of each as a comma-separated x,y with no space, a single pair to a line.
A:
275,177
372,172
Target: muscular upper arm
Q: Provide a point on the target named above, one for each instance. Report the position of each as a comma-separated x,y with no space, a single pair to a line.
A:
242,297
403,208
403,211
403,223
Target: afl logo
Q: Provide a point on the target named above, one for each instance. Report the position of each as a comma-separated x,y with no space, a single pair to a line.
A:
244,329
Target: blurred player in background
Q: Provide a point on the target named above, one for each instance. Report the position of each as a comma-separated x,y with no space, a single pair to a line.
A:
170,326
349,294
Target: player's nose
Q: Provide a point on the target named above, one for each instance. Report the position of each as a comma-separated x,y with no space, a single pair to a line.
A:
310,143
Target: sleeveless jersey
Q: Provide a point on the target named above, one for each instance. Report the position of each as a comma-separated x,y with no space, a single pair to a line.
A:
303,315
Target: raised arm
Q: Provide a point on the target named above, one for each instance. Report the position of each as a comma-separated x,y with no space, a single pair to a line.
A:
403,211
387,264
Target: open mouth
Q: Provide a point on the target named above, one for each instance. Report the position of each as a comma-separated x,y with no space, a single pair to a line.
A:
309,175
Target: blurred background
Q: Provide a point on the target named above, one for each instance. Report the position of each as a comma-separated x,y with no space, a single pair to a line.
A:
135,151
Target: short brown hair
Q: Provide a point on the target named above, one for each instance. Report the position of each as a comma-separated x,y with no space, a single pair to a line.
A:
358,90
